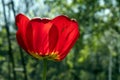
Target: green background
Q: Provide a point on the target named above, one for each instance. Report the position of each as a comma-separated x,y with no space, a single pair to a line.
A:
95,56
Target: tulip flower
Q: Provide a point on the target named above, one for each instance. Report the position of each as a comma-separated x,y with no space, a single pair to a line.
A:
47,38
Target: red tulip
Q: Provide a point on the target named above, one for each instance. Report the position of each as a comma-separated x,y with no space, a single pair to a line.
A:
45,38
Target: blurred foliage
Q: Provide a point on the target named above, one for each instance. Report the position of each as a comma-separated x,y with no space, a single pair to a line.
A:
95,56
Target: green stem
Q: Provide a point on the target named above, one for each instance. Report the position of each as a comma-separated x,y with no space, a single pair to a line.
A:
44,69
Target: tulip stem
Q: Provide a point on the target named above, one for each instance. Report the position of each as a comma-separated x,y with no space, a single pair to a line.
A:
44,69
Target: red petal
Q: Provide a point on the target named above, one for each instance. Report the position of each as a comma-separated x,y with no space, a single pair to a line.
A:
53,38
68,34
73,36
21,22
45,20
38,35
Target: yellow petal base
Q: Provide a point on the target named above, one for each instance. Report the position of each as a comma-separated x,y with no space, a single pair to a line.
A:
49,56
